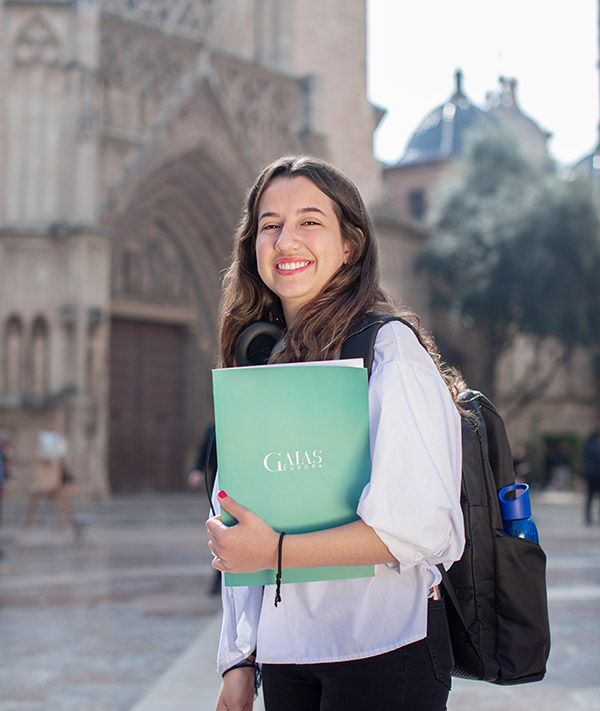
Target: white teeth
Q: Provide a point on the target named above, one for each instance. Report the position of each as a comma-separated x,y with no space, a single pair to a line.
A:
288,266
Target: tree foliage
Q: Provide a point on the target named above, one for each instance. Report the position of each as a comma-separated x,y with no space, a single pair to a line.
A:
516,247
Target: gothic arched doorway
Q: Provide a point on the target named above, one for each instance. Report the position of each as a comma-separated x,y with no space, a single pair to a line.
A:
169,247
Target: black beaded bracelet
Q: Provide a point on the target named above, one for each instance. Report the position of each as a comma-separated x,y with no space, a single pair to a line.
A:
279,571
240,665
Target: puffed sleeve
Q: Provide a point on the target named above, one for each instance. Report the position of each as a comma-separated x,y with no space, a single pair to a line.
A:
413,498
241,613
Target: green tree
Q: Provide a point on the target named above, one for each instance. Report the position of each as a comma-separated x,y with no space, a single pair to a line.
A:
515,249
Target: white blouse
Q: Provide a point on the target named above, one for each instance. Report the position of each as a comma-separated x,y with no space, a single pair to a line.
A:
413,503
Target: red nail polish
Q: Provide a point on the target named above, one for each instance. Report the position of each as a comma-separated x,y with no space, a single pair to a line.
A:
221,494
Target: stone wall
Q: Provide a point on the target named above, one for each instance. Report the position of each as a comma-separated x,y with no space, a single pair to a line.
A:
50,113
400,242
54,306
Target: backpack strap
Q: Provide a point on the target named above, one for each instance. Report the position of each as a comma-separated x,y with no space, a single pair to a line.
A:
361,341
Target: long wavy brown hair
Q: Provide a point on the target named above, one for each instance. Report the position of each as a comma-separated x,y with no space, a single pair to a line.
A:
323,324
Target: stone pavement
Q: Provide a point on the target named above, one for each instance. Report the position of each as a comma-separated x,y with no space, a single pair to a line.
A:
91,627
125,621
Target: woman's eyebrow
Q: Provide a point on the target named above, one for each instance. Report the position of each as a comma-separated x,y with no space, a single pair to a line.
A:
267,214
300,211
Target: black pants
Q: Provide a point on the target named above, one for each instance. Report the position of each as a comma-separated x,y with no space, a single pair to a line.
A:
412,678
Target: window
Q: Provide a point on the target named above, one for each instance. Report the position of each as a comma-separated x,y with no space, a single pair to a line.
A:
13,358
39,356
416,204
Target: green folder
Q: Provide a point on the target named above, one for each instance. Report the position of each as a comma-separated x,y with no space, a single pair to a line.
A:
293,446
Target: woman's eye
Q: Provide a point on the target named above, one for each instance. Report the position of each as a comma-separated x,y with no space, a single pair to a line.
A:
265,228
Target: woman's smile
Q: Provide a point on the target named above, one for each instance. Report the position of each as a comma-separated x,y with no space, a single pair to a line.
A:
292,267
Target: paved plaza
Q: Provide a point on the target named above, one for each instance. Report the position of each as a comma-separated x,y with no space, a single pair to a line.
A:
124,619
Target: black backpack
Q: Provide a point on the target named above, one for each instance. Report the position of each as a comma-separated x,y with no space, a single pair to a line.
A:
496,601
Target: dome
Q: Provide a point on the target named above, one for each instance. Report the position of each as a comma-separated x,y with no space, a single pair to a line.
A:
440,134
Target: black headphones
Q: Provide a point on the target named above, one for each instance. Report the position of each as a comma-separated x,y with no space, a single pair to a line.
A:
256,343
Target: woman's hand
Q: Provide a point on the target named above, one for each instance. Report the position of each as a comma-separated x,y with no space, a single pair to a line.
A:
252,545
247,547
237,691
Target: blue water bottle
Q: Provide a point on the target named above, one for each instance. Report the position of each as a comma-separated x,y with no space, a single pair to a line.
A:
515,507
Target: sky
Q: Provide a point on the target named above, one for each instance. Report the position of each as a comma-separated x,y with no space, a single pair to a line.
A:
549,46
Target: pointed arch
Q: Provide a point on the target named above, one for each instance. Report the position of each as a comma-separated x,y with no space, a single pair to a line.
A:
170,245
13,372
172,242
39,357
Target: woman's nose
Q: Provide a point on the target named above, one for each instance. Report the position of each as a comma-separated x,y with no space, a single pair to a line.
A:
287,239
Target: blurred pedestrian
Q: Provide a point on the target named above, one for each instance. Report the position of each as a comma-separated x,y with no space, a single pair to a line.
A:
53,480
591,471
204,473
520,464
548,464
561,472
5,471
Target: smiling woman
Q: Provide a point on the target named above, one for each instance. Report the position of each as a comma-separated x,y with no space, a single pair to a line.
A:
305,258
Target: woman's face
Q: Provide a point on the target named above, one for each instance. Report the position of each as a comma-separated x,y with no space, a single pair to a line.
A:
299,244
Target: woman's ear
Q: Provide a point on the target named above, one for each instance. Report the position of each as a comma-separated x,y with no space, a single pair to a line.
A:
350,250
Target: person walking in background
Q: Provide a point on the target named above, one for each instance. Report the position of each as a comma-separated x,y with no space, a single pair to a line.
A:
5,472
520,464
203,476
561,471
203,473
52,480
591,472
305,256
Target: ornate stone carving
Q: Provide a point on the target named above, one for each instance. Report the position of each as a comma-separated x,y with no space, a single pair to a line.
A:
191,19
265,106
150,267
140,62
138,73
36,43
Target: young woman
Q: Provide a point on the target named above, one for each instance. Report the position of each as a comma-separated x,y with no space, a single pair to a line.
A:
305,256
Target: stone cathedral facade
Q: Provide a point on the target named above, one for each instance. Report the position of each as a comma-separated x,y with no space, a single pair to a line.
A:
129,132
